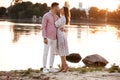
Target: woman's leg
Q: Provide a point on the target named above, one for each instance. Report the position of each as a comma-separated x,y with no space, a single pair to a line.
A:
61,66
64,66
63,60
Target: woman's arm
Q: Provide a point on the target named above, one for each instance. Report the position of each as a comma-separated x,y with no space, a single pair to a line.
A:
63,30
60,22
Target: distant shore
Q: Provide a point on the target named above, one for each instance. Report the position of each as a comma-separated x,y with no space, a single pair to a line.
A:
73,22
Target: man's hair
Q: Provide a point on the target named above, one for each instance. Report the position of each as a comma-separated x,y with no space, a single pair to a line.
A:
54,4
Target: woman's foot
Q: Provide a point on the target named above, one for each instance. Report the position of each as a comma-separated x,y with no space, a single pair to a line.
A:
61,70
65,69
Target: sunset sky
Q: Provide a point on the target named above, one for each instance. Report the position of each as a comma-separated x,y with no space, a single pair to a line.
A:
110,4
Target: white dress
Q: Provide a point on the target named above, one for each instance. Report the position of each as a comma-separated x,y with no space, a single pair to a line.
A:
62,44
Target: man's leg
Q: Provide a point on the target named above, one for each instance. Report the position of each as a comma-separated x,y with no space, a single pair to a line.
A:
45,54
52,52
52,55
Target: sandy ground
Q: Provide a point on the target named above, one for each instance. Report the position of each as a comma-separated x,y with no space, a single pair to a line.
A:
97,75
86,76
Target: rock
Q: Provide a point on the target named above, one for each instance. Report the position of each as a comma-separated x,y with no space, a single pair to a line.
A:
74,58
47,78
36,76
2,73
95,61
3,77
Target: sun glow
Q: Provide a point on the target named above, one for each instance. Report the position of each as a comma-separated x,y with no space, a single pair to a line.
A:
102,4
110,4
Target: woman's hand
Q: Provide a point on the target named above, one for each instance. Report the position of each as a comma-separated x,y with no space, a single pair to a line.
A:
63,30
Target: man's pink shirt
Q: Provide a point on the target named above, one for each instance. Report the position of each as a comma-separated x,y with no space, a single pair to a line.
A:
48,26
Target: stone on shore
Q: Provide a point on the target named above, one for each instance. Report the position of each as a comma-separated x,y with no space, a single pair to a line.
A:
95,61
73,58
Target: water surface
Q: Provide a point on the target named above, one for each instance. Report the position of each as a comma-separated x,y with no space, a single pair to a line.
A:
21,45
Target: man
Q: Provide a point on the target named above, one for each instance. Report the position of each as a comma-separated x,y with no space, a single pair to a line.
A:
49,35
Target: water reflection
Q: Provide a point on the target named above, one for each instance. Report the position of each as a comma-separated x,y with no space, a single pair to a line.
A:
79,31
118,35
24,30
21,45
118,32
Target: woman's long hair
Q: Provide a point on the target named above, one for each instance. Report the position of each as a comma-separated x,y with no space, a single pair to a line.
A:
67,14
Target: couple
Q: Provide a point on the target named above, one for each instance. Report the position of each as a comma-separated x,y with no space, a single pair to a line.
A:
53,31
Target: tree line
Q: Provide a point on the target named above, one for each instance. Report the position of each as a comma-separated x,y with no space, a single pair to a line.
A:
28,9
24,10
96,15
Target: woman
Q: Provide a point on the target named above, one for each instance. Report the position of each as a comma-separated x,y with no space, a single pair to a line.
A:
62,38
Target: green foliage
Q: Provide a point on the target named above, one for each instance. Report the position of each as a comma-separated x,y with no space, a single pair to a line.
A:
58,65
27,10
2,11
22,10
29,71
15,10
114,68
77,14
93,12
101,14
85,69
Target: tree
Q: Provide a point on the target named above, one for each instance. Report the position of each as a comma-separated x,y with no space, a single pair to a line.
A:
114,16
83,14
43,9
101,14
27,10
93,12
17,9
36,9
77,14
2,11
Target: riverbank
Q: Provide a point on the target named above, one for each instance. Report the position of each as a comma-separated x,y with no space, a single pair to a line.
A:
96,75
72,74
73,22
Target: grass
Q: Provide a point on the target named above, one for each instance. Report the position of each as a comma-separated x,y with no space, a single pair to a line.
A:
82,70
27,72
85,69
113,69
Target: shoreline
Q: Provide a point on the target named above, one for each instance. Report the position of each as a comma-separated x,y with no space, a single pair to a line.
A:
95,75
74,22
72,74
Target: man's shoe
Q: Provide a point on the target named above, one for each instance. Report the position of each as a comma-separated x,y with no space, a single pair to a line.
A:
53,70
45,71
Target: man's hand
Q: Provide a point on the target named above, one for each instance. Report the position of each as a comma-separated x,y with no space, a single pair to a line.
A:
45,41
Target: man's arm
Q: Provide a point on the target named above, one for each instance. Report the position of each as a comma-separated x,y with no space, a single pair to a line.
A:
44,28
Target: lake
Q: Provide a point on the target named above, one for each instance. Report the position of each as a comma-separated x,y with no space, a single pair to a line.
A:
21,45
